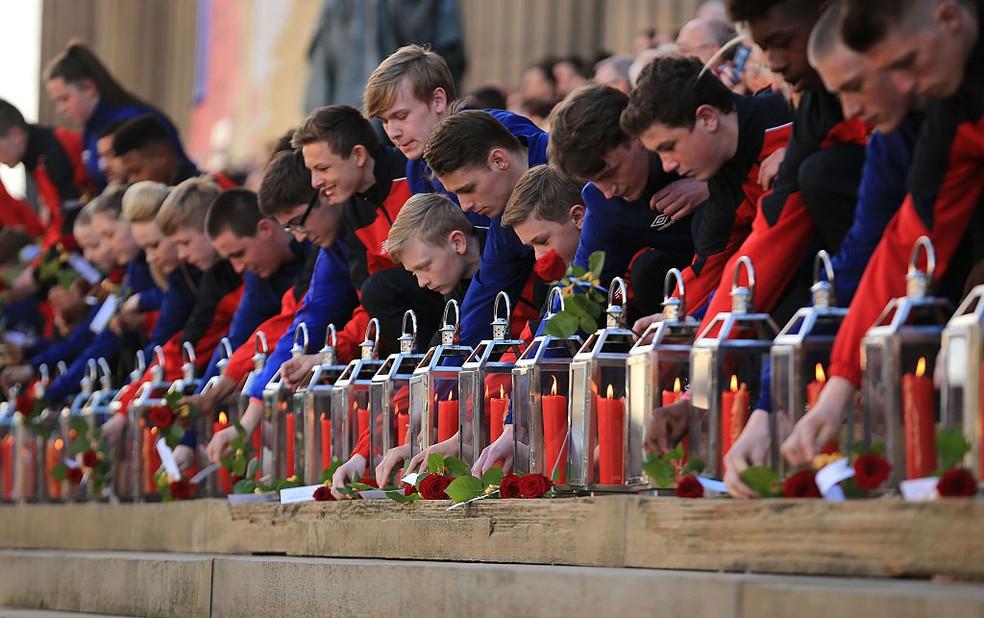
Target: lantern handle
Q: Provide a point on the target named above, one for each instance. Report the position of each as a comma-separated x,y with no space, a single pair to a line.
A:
226,349
139,364
106,380
301,334
822,260
159,355
260,344
741,296
823,289
926,244
61,368
44,377
500,322
188,353
673,306
749,269
555,295
408,332
616,313
331,336
92,370
372,339
457,314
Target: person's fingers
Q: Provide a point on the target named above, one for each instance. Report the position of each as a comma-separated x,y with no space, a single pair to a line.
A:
659,197
734,465
479,468
416,461
673,206
507,463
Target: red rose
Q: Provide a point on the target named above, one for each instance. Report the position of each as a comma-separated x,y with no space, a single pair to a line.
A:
161,417
534,485
509,488
74,476
550,266
408,489
957,483
90,459
689,487
803,484
870,471
323,494
433,486
180,490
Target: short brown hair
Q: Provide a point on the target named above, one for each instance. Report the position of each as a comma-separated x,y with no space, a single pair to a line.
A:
429,217
342,127
865,24
545,192
463,141
286,183
142,201
235,210
187,204
425,70
584,127
109,202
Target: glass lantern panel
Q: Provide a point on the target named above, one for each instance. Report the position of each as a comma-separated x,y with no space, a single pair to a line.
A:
609,434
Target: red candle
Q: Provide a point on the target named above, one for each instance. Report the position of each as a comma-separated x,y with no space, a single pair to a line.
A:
7,461
918,413
363,416
980,397
225,480
669,398
402,427
611,439
289,437
812,394
499,406
53,456
325,441
554,409
151,458
734,413
447,418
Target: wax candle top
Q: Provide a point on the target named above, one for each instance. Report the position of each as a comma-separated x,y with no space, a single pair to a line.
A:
223,419
502,392
676,385
820,375
921,367
611,392
734,383
553,386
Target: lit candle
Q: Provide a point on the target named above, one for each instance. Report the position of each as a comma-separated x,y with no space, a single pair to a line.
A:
611,439
447,418
289,438
500,406
734,413
53,456
7,460
918,413
671,397
151,459
813,388
363,416
325,441
402,427
225,481
554,409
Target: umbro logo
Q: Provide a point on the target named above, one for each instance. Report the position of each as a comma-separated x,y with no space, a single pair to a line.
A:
661,222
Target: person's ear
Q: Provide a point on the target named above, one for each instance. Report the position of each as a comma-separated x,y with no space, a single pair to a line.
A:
439,101
360,154
459,242
577,215
498,160
265,228
947,14
708,117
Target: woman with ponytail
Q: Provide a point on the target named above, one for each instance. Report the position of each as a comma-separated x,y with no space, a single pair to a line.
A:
86,93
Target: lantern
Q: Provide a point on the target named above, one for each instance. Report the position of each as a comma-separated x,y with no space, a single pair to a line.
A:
322,425
598,419
898,354
261,350
98,409
725,373
485,385
8,438
279,430
962,403
658,372
800,356
389,395
541,392
434,387
30,449
209,422
351,394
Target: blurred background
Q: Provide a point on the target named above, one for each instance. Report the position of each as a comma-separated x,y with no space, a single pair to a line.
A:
235,74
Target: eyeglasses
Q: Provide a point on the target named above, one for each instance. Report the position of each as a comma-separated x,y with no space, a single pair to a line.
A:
298,226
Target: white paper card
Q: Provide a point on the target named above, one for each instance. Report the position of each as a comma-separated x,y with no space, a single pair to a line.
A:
919,490
831,476
373,494
411,479
167,458
209,469
86,270
71,463
712,485
105,314
270,496
289,495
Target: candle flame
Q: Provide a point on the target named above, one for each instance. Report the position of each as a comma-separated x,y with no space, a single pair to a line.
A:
921,367
502,392
553,387
821,376
611,392
59,443
223,418
153,431
676,385
734,383
283,405
324,416
449,395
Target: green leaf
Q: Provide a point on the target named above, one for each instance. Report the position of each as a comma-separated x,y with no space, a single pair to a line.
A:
764,481
78,445
596,262
577,270
173,435
576,306
562,324
360,486
251,468
60,471
589,324
455,466
693,466
435,463
78,424
238,465
286,484
465,488
244,486
330,470
878,447
492,476
951,446
397,496
660,470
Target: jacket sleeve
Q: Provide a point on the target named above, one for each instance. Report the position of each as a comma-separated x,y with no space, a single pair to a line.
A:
249,314
105,345
68,348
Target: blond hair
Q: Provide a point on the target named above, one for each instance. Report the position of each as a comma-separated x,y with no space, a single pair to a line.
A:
545,192
143,200
186,205
428,217
425,70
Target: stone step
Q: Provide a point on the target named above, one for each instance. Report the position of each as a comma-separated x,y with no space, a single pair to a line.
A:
168,584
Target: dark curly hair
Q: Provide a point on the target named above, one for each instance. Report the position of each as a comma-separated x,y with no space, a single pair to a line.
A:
584,128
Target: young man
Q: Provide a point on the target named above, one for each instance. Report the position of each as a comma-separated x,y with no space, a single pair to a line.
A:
350,168
933,48
435,241
625,185
109,163
146,151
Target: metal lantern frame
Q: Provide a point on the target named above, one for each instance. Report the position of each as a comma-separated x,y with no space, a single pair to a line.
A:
205,423
30,449
547,358
318,406
962,403
658,361
351,394
436,377
278,402
491,357
803,343
151,394
393,376
600,364
734,343
909,326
